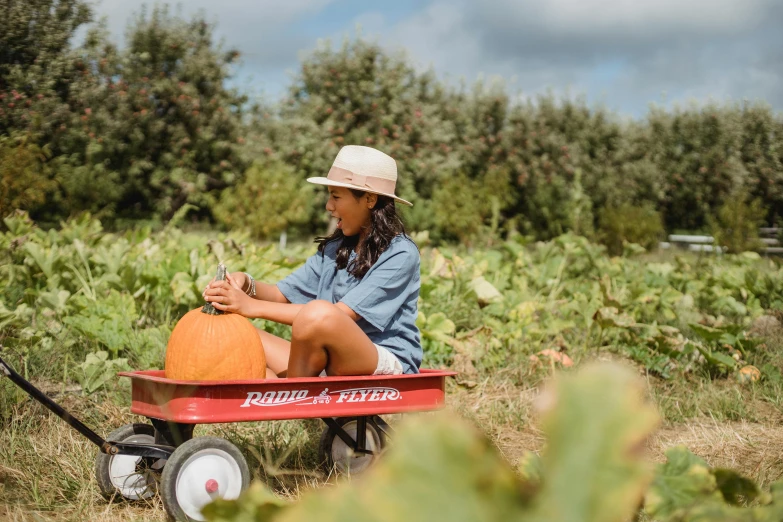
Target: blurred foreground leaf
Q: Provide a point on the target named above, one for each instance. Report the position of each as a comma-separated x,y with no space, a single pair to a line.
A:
441,468
686,489
257,503
596,424
680,481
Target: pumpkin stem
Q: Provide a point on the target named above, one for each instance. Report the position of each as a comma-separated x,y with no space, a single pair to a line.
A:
221,276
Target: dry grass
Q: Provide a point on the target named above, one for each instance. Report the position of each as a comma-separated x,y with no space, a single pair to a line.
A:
105,513
46,468
503,411
753,449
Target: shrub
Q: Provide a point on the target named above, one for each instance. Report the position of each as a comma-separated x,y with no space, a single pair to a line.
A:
24,179
271,198
630,223
735,225
465,208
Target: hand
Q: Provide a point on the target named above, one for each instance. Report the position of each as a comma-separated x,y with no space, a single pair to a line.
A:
239,277
228,295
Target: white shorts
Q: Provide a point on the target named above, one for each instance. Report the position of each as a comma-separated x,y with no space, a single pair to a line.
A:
388,363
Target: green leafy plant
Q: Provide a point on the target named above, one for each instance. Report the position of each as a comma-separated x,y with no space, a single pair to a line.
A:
735,224
82,289
630,224
269,200
97,369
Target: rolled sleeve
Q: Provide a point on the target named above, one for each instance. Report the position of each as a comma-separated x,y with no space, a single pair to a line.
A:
301,286
384,289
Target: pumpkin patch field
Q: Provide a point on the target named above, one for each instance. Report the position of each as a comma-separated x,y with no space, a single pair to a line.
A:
645,386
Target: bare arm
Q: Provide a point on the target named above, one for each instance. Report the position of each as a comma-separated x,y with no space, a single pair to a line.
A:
267,292
264,291
285,313
269,303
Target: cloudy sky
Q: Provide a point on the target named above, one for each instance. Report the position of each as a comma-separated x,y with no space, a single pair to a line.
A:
624,54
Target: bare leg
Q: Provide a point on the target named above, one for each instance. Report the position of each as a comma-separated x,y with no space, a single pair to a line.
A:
323,337
277,351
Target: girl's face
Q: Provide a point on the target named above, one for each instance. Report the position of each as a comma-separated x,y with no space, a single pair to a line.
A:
352,214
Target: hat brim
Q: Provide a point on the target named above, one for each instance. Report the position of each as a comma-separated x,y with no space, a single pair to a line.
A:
330,183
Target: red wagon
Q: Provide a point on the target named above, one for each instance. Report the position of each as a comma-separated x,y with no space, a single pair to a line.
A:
189,472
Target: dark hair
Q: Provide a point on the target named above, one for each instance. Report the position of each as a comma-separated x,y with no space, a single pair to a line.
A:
385,224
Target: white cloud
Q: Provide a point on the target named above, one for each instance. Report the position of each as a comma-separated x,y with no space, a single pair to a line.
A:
237,20
622,53
625,53
633,18
436,37
260,29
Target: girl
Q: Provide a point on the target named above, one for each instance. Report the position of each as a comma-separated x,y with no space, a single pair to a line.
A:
353,305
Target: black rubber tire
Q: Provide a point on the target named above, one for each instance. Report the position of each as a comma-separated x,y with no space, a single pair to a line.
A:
103,461
168,480
328,438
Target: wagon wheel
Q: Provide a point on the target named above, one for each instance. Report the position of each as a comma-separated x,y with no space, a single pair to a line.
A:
128,476
200,471
340,456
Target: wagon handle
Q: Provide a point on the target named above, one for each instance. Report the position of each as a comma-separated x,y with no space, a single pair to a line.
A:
58,410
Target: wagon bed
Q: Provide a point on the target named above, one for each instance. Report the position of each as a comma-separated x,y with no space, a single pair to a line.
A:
208,402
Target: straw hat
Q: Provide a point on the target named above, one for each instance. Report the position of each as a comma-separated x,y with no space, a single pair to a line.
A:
363,168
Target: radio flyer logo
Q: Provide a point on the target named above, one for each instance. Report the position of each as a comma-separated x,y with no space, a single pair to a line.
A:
372,394
272,398
323,398
283,397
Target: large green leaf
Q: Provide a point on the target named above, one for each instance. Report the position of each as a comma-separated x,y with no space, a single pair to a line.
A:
707,333
437,327
735,488
609,316
485,291
110,322
97,369
715,357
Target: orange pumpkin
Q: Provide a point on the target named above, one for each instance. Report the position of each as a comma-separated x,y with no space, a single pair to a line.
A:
210,345
748,374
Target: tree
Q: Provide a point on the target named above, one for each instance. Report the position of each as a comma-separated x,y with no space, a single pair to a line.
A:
360,94
35,66
153,124
139,131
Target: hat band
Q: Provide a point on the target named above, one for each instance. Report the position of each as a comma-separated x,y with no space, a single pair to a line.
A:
370,182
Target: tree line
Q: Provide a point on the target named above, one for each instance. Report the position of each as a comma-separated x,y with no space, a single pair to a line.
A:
140,131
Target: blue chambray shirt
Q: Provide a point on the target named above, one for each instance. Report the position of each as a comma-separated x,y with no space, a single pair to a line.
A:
385,298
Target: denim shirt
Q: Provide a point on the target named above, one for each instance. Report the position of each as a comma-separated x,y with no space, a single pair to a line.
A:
385,298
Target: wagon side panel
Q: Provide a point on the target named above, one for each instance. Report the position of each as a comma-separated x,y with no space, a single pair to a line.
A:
285,399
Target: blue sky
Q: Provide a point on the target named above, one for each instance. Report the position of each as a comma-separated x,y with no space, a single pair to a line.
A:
624,54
